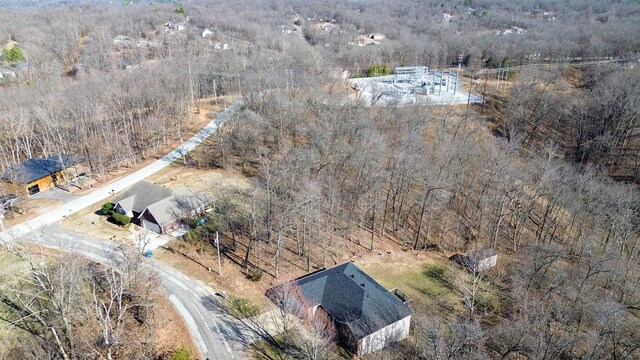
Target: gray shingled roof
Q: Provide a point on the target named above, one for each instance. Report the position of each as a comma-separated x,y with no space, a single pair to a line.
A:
352,297
141,195
37,168
165,211
176,206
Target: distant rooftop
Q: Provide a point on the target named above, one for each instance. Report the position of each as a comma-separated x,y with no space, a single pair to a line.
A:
410,70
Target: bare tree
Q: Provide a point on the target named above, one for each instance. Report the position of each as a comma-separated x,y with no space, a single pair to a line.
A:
75,308
455,339
291,305
470,289
48,302
314,339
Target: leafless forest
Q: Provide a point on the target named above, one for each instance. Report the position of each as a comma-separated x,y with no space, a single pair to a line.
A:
547,171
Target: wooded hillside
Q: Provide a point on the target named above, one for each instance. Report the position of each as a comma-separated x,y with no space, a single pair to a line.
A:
546,171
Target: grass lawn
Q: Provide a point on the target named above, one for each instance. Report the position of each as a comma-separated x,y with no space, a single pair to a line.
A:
91,223
432,282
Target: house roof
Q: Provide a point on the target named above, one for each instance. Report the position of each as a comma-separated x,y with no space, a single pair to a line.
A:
164,205
37,168
482,254
142,195
179,205
164,211
352,297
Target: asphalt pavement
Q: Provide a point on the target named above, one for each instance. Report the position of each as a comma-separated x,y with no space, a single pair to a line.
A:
216,336
16,231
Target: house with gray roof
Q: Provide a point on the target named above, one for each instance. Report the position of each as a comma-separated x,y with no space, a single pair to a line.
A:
37,174
157,208
367,316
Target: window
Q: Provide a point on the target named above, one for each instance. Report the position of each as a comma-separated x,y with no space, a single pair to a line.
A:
33,189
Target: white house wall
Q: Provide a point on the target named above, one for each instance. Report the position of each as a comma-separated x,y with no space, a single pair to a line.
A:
385,336
488,262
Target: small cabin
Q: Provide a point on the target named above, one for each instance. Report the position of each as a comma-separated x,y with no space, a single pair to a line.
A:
37,174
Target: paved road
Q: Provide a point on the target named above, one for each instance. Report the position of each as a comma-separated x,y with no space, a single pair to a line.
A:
196,302
103,193
217,336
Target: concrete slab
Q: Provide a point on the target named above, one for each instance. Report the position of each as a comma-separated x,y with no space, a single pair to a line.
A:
56,194
435,88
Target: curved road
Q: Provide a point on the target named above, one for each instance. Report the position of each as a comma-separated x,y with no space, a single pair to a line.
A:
217,337
195,302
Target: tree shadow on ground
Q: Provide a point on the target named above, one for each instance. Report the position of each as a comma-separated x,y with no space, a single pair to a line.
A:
246,332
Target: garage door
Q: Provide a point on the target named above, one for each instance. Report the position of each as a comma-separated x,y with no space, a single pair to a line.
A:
33,189
151,226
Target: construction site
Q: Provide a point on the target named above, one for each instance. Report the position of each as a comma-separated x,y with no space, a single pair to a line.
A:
410,85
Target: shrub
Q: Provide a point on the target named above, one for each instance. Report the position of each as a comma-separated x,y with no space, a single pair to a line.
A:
193,222
242,308
182,354
12,55
378,70
190,235
107,208
211,226
180,10
218,160
256,275
120,219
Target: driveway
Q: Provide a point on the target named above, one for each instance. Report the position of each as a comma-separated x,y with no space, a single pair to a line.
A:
191,298
56,194
101,194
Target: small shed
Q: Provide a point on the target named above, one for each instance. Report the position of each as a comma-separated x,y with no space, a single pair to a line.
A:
477,260
483,259
207,33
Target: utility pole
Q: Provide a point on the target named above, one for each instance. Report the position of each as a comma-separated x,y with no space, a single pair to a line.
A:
469,97
218,250
460,58
484,92
193,102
